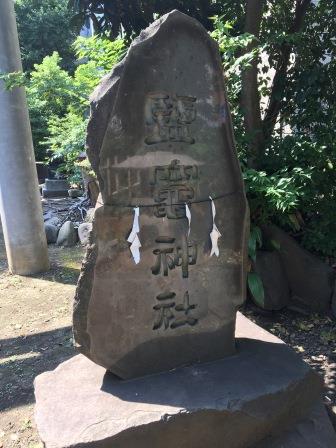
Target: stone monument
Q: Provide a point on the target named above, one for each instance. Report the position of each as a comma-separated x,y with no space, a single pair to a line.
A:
168,142
165,273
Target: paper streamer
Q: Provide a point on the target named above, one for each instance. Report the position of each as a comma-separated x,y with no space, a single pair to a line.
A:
133,237
188,215
215,233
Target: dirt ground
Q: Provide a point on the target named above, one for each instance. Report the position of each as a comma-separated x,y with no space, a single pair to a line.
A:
35,336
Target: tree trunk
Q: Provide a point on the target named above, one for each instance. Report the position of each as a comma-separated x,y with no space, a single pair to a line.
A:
279,81
250,99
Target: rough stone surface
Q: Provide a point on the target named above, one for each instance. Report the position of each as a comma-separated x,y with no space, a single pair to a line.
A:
55,188
67,235
315,431
75,193
235,402
311,281
51,233
84,287
56,184
168,140
84,230
52,220
54,194
271,271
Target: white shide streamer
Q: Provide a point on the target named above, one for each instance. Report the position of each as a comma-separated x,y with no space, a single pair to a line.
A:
133,237
215,234
188,215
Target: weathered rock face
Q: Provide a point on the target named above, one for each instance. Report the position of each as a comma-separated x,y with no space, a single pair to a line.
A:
269,267
55,188
67,235
160,136
84,230
311,281
51,232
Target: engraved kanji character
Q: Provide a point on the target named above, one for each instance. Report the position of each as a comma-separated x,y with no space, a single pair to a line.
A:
163,261
185,309
167,174
164,310
186,109
190,172
186,255
157,113
172,201
186,115
168,118
167,258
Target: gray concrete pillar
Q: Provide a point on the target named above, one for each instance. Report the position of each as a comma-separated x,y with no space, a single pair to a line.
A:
20,203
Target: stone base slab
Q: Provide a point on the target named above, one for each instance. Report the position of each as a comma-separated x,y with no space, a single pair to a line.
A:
55,193
315,431
263,397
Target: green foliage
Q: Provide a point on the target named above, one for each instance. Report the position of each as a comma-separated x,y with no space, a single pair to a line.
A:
66,125
51,84
254,281
295,183
96,57
254,242
274,197
235,59
230,45
102,52
13,79
256,288
58,101
66,141
316,186
50,91
44,27
66,132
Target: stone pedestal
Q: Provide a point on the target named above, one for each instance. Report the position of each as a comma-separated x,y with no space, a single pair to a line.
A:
264,396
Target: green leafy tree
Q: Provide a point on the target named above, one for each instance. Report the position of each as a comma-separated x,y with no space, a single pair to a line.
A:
50,90
45,26
66,131
101,51
57,99
280,74
66,140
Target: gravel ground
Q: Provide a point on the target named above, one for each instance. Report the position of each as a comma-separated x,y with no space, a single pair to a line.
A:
312,336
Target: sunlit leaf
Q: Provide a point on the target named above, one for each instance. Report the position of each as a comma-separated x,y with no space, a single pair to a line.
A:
256,288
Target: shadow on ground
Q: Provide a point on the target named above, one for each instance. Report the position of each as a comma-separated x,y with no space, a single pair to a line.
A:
22,358
65,264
